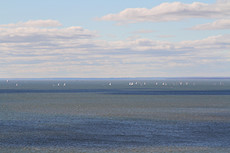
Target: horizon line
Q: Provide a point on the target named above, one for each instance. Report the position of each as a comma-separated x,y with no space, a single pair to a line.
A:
110,78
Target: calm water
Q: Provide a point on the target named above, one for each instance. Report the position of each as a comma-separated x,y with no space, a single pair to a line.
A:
115,115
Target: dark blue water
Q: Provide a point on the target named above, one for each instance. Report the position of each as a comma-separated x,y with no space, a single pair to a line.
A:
113,133
113,113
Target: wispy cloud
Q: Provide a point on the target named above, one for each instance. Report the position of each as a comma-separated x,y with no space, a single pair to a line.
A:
216,25
165,36
34,23
143,31
171,12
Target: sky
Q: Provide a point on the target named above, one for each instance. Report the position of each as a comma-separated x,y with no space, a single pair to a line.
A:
114,39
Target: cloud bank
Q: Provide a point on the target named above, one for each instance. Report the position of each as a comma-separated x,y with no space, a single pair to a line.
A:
29,49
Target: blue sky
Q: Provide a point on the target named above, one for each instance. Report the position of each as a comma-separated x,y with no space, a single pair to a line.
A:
130,38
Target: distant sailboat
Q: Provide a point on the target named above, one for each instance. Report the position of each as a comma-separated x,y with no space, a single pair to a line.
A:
110,84
130,83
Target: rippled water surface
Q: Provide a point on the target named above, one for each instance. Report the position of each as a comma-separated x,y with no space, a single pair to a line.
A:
115,115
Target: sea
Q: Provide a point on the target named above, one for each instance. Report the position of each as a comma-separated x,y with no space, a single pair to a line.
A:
115,115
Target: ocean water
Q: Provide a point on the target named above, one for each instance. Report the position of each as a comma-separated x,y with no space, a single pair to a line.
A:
171,115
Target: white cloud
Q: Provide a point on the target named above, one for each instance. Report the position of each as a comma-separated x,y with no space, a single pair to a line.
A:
171,12
219,24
